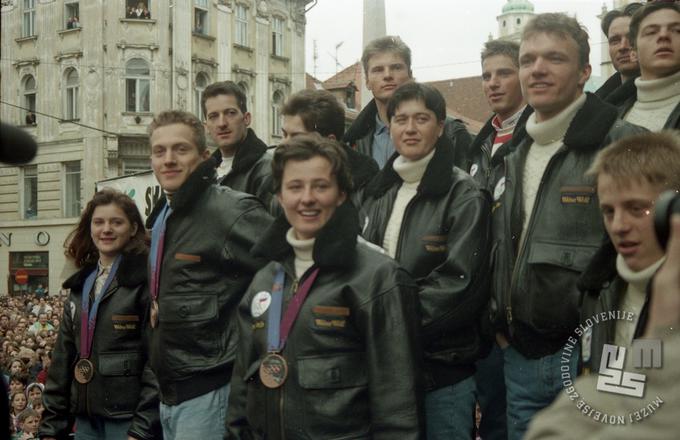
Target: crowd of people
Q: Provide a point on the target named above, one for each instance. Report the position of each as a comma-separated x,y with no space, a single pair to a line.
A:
385,281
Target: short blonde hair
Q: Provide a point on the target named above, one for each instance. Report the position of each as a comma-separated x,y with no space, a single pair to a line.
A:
650,157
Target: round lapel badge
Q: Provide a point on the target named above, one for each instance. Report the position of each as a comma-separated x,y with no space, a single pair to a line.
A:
474,169
499,190
260,303
83,371
273,370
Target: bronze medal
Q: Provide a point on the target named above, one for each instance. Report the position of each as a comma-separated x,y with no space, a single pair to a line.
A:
273,370
83,371
154,314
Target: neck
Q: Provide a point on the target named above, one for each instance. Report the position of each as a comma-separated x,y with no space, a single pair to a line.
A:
542,116
228,150
107,259
382,110
648,76
510,113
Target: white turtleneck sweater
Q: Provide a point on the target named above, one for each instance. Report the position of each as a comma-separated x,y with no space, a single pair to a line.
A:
656,99
225,166
411,172
303,252
633,298
548,137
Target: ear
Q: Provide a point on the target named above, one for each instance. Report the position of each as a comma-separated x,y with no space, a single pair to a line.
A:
634,56
332,136
134,230
205,154
585,75
246,119
441,128
278,199
343,197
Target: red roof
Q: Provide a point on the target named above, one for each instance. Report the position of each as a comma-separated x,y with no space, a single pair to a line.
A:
465,100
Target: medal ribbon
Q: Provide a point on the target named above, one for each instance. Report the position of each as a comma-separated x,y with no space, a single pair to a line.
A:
156,254
88,318
277,329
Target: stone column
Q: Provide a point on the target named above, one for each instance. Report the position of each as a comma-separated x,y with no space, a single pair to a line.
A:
374,27
225,35
262,93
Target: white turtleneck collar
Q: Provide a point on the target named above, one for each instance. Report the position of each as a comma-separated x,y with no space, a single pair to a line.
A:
303,249
554,129
653,90
412,171
638,279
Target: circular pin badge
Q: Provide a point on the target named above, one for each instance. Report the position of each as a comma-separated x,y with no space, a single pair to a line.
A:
473,169
273,370
260,303
499,190
83,371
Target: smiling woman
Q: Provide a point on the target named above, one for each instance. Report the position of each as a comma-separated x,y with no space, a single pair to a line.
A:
96,374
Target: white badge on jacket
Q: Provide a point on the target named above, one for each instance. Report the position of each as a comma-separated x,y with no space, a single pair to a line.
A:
260,303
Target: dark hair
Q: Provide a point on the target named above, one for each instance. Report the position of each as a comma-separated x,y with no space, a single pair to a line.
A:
501,47
612,15
319,110
79,245
307,146
410,91
169,117
224,88
642,13
19,377
386,44
560,24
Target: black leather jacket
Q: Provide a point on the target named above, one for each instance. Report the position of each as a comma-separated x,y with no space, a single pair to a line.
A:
486,169
360,135
624,98
443,243
602,289
251,168
353,352
535,298
206,269
123,386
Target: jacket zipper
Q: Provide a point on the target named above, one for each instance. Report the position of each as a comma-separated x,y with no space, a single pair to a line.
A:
520,253
404,223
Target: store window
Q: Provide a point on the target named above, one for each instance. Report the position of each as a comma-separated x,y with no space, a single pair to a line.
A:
32,269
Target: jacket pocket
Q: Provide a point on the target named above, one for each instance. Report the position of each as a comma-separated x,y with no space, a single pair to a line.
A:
120,375
192,334
335,394
551,303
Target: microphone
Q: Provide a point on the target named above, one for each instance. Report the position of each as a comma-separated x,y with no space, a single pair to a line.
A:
16,145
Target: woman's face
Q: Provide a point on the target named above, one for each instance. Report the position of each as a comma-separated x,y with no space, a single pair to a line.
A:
31,424
309,195
18,402
16,367
110,230
34,393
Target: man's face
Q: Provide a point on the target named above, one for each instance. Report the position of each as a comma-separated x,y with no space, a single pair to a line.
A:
386,72
174,155
619,47
227,125
500,83
414,129
658,44
550,74
42,319
628,215
4,321
292,126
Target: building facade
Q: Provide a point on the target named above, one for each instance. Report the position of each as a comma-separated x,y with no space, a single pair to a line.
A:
85,78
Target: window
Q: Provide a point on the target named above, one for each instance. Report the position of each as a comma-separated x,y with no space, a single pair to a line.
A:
71,14
201,83
277,101
137,9
137,85
72,189
29,99
71,98
201,17
277,36
241,25
28,28
30,194
133,155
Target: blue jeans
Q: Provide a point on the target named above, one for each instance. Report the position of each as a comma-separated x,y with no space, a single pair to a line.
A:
450,411
202,417
491,395
531,385
99,428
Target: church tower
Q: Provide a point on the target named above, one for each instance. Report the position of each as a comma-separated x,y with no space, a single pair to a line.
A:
516,13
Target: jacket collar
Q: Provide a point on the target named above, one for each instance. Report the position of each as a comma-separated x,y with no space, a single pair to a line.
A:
437,179
131,272
362,167
600,270
625,94
334,246
187,194
589,128
364,123
248,152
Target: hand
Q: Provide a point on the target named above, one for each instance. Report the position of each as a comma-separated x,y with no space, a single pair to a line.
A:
502,341
131,438
664,312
